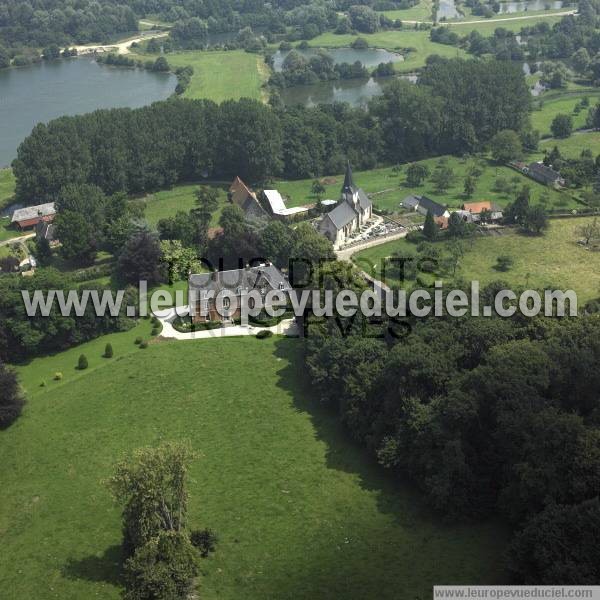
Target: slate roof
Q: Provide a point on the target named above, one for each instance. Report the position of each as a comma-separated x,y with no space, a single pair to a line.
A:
539,171
342,214
238,280
411,201
33,212
437,210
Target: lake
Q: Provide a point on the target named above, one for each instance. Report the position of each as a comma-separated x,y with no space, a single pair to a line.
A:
42,92
356,92
369,57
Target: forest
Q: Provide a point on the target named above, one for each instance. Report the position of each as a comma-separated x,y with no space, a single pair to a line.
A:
458,106
487,416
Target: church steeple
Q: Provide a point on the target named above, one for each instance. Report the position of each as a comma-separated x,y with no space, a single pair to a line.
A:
348,181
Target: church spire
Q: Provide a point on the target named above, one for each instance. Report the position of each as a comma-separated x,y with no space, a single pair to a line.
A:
348,181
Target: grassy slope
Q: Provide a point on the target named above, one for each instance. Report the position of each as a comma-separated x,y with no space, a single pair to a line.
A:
7,186
221,75
379,180
419,12
167,203
418,41
549,261
542,119
491,25
571,147
300,512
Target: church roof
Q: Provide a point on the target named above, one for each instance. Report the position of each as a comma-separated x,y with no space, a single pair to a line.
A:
342,214
348,180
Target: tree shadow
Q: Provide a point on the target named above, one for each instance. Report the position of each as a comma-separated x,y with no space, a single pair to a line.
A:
104,568
396,495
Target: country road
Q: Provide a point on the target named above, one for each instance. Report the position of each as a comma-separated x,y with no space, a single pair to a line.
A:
14,240
122,47
564,13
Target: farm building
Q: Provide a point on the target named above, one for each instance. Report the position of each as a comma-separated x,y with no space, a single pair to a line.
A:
490,211
29,217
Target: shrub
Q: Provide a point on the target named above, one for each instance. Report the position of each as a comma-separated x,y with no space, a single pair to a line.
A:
144,345
138,341
155,331
261,335
504,263
58,376
43,384
108,351
11,400
205,540
82,363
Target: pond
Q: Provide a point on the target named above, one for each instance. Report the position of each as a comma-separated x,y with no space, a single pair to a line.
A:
529,5
44,91
369,57
356,92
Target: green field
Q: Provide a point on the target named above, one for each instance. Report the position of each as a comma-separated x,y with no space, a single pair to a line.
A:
419,12
299,510
549,261
7,186
221,75
509,22
167,203
571,147
417,41
541,119
395,188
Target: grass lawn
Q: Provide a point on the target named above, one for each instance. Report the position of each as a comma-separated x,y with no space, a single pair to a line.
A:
419,12
506,22
7,186
222,75
7,232
541,119
549,261
395,187
571,147
300,512
167,203
417,41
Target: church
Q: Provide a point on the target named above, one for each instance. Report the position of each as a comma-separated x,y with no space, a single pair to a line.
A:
352,212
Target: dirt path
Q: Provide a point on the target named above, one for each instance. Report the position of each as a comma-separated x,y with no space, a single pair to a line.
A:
122,47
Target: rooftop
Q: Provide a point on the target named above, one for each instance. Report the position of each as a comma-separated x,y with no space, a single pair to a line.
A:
32,212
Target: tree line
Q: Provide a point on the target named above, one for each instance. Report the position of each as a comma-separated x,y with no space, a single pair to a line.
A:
457,107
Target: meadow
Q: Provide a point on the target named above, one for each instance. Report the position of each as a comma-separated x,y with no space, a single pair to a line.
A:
395,188
541,118
7,186
572,146
416,45
549,261
222,75
167,203
299,510
419,12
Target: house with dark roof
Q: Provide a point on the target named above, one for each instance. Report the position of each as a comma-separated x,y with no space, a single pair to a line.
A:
423,205
350,214
245,198
204,289
544,174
